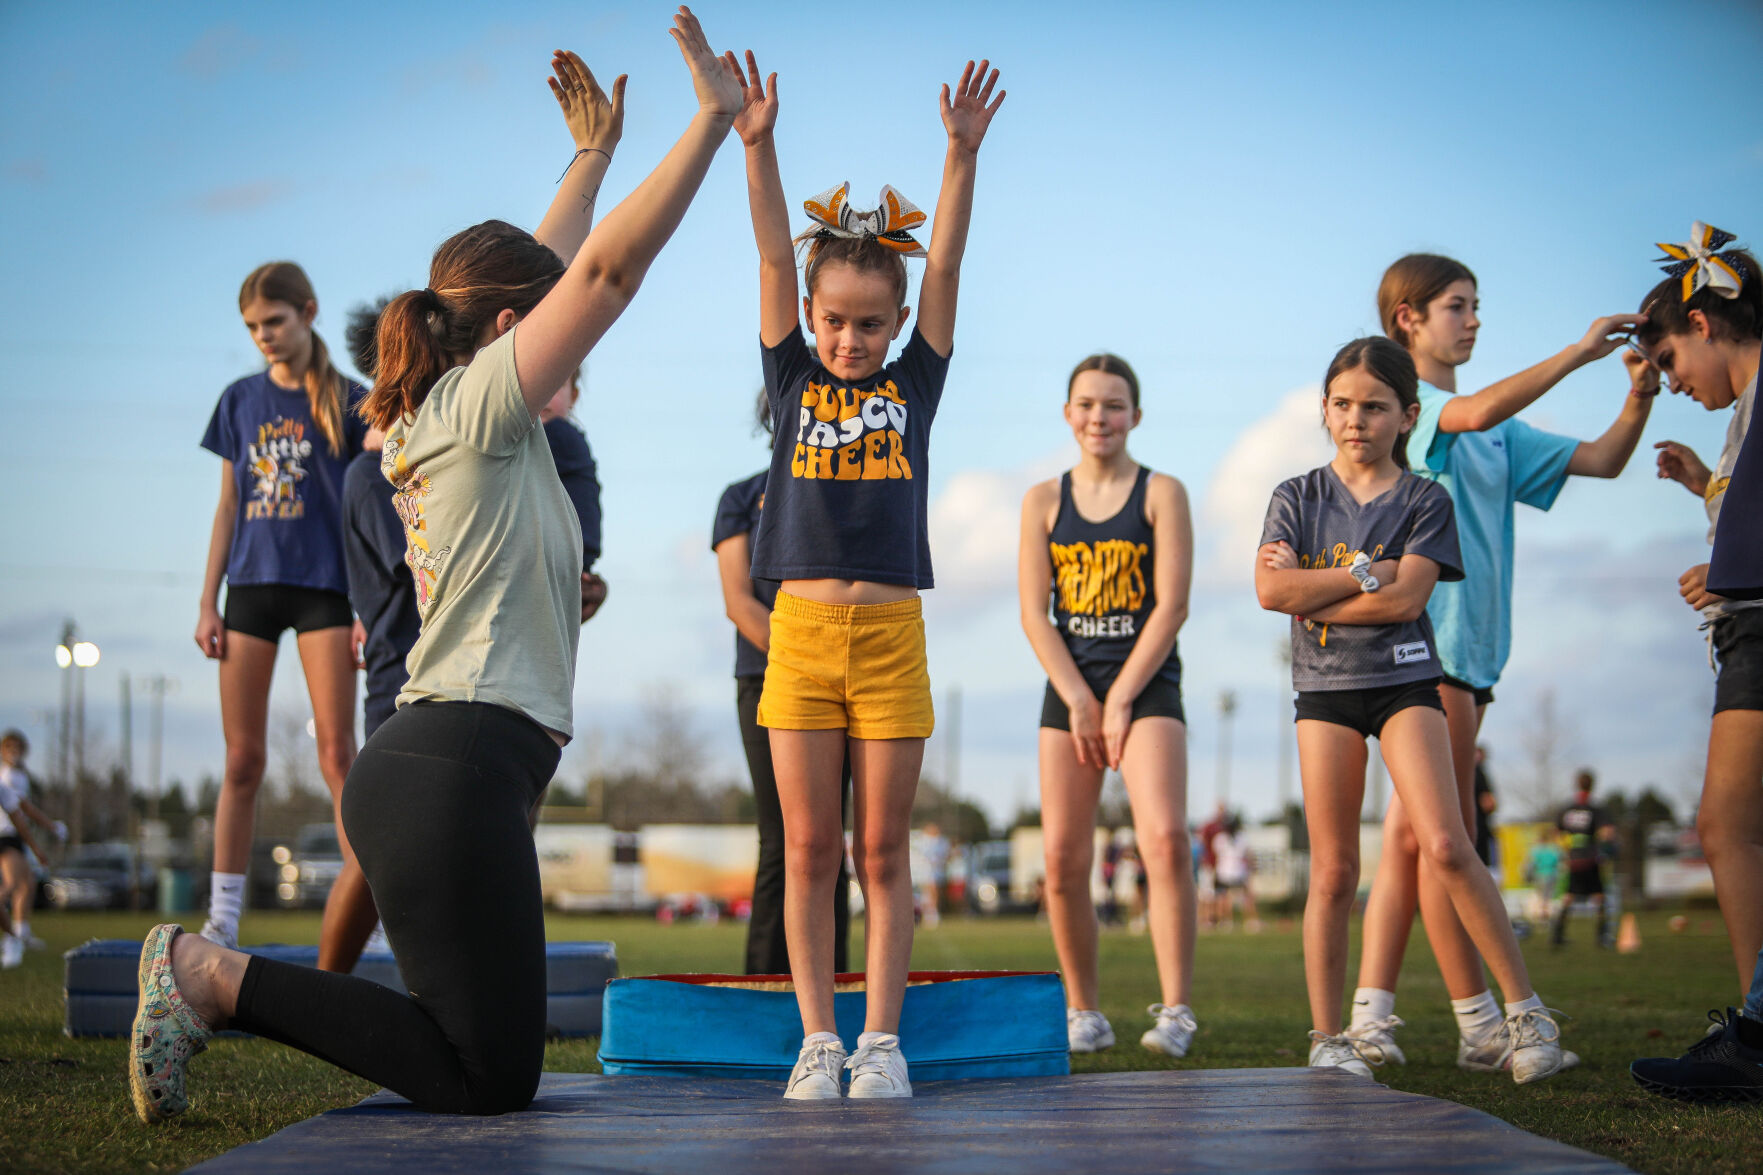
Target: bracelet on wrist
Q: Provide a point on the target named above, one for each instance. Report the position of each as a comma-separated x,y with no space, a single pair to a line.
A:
579,153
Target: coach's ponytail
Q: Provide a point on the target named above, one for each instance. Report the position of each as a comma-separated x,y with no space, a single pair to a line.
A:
475,275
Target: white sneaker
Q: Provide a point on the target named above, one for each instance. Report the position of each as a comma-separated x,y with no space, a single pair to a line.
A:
1493,1053
219,936
11,951
1087,1031
1341,1052
819,1066
1173,1032
1536,1046
878,1069
1381,1033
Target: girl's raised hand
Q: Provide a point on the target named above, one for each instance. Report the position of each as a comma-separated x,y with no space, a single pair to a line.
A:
716,80
1680,464
1643,377
758,114
596,122
968,114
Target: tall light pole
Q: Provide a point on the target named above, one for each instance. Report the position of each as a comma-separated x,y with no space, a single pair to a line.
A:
1227,707
158,686
73,655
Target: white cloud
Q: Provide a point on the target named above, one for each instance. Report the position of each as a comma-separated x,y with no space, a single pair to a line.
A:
1282,444
975,523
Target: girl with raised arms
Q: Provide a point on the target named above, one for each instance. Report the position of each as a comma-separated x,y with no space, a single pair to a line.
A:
1704,330
844,532
1488,461
285,437
1110,545
436,805
1351,551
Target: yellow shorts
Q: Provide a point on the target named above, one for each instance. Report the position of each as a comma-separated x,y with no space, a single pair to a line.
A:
853,667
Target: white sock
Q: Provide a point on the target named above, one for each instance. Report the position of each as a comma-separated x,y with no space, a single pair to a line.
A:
869,1038
820,1038
1525,1005
1477,1016
23,930
1372,1003
226,900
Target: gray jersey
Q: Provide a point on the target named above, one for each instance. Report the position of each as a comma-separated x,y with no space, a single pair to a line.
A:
1321,520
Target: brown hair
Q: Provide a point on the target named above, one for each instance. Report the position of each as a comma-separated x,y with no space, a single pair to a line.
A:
1668,313
1107,364
283,281
864,254
1391,366
475,275
1414,281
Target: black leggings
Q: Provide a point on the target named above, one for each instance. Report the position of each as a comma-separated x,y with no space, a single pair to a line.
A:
768,952
436,809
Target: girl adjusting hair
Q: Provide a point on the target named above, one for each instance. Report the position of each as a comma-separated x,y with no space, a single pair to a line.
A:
1351,552
844,534
1704,330
285,437
1109,545
436,805
1488,461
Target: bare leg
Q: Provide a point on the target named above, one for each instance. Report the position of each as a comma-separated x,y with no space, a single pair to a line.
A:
1730,824
1389,910
1154,766
349,913
1069,792
809,766
208,976
15,884
1416,747
1459,964
1331,761
245,674
884,780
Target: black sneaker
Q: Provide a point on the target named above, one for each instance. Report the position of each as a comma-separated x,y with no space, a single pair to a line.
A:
1718,1068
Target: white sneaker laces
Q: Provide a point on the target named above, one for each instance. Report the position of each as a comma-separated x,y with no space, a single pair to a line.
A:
872,1057
821,1056
1379,1025
1365,1050
1535,1026
1180,1017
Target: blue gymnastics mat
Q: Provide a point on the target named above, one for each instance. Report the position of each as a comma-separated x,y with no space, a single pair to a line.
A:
1236,1120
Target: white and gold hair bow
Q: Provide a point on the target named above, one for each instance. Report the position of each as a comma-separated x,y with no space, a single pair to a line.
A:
1696,261
890,223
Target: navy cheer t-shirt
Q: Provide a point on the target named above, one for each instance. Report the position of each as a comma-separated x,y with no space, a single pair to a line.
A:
289,526
848,494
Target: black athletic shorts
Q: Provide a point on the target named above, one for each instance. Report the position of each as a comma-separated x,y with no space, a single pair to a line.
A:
1483,694
266,610
1738,642
11,841
1583,883
1366,710
1159,699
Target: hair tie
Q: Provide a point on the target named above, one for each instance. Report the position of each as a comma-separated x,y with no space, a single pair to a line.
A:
888,224
1697,262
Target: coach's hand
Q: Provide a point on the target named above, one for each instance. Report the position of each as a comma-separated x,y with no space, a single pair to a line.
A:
1693,586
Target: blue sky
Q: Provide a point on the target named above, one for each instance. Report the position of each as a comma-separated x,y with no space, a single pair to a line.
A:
1212,191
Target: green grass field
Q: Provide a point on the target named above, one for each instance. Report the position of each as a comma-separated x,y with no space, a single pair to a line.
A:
65,1102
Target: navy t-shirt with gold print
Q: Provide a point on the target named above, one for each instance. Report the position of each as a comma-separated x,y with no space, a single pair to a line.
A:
847,497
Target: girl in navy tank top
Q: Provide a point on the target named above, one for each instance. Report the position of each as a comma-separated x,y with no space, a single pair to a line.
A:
1105,563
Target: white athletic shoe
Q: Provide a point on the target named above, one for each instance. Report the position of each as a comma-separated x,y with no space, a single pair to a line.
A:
819,1066
1493,1053
1381,1033
11,951
1087,1031
221,937
1173,1032
878,1069
1536,1046
1341,1052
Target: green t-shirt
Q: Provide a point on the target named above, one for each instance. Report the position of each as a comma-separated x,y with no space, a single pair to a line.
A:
493,545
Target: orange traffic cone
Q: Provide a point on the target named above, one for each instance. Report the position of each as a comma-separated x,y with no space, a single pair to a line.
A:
1628,935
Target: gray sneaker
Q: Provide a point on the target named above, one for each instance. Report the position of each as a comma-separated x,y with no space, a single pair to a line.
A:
1381,1033
878,1069
1087,1031
819,1066
1173,1032
1341,1052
